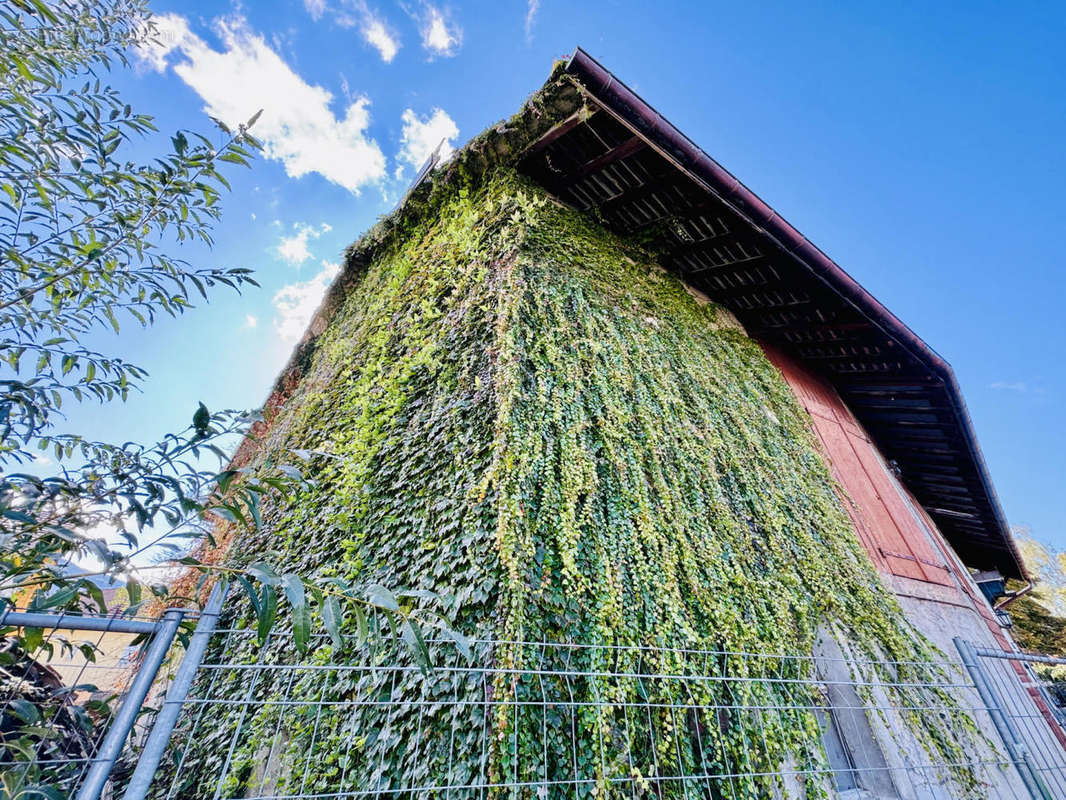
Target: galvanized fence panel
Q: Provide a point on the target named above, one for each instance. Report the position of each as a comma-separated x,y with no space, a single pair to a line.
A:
69,708
531,720
561,721
1026,717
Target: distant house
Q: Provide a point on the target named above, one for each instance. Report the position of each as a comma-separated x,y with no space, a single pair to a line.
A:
113,654
589,388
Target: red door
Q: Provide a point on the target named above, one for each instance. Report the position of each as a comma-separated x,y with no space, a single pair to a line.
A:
887,526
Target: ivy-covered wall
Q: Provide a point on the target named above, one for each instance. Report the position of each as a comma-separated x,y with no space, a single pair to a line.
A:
527,416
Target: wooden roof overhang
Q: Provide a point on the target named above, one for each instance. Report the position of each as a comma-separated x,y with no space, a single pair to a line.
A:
620,161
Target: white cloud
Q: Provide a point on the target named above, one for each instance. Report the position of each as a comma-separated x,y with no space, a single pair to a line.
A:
294,248
440,36
531,15
298,126
376,32
295,304
250,321
378,36
421,136
171,31
1018,386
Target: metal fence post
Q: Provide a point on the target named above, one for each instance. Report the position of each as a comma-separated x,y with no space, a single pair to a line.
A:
158,738
119,730
1016,749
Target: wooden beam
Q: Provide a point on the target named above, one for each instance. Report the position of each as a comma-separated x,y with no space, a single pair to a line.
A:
731,239
736,267
748,300
583,114
895,383
627,148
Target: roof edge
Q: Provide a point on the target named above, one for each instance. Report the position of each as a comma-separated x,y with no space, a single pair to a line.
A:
615,96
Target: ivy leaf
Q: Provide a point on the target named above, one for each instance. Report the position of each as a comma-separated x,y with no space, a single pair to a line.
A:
462,643
301,612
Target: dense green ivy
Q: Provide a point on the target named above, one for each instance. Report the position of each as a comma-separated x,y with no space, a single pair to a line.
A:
527,416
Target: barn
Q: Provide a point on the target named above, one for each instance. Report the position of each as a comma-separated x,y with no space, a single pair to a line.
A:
708,517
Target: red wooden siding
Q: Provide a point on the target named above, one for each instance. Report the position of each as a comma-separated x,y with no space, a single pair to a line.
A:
887,525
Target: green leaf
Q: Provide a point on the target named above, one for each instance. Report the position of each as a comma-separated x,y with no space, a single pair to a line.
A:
412,637
462,643
23,70
229,513
378,595
268,609
252,501
301,612
224,478
422,594
24,710
59,598
290,471
32,638
331,619
111,318
253,596
96,593
362,627
200,420
264,572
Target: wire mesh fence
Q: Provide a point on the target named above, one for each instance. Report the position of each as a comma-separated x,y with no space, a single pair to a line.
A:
554,720
1029,719
85,713
62,694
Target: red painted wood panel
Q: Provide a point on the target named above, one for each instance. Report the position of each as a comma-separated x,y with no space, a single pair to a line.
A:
888,527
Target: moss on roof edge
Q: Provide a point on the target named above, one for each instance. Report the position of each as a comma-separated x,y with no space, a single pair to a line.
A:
498,145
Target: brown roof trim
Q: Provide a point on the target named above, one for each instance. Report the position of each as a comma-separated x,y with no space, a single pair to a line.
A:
621,101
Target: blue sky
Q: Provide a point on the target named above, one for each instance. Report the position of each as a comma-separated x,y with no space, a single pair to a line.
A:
919,144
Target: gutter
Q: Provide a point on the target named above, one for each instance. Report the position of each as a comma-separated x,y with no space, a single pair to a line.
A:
1012,596
628,106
